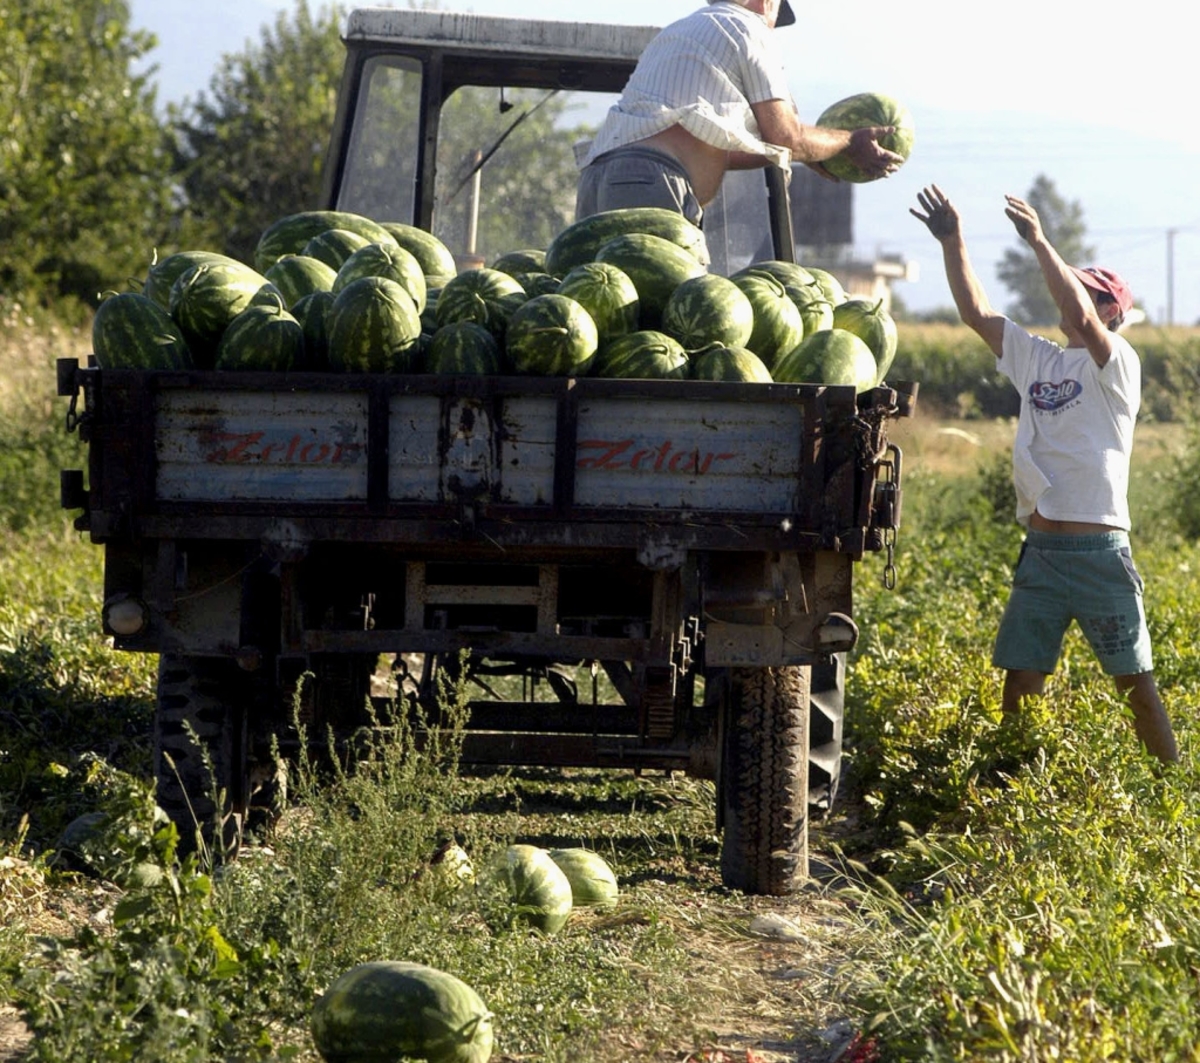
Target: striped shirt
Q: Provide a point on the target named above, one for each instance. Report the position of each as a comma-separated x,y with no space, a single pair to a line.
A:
702,73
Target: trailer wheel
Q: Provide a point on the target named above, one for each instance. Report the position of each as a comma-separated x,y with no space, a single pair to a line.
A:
763,779
211,697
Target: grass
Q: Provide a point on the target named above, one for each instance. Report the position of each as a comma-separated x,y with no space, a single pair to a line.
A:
1000,891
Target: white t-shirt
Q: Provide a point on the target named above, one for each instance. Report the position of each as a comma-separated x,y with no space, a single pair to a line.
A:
701,72
1075,432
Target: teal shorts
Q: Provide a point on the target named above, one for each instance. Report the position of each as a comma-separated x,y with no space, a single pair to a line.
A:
1090,579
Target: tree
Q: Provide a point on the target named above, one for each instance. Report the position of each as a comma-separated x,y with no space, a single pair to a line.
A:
254,151
83,189
1063,225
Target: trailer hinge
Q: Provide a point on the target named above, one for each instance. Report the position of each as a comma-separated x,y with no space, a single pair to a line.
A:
886,506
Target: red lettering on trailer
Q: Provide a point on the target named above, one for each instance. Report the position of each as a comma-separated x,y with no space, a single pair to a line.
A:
662,457
223,448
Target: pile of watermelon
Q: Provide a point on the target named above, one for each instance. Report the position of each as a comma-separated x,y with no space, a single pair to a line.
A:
622,294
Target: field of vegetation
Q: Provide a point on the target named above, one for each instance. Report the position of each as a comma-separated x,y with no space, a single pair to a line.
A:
987,889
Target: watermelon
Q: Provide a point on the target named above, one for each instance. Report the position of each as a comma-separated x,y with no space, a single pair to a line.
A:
708,309
288,235
606,292
593,883
531,260
312,311
579,242
299,275
872,324
385,1010
867,109
334,246
778,324
536,283
262,337
486,296
374,327
538,890
830,286
437,263
384,260
644,355
131,331
162,275
655,265
729,363
834,357
461,348
207,297
551,335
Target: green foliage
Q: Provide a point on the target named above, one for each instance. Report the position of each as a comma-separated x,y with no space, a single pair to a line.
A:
251,150
1063,224
82,161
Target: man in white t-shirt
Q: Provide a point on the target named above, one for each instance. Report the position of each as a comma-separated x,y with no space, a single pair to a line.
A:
1070,469
709,94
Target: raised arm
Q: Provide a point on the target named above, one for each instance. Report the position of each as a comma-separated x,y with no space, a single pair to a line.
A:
941,218
1080,316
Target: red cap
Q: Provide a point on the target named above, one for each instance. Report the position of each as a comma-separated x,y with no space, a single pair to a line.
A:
1108,282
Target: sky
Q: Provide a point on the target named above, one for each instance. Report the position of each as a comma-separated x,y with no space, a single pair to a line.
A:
998,96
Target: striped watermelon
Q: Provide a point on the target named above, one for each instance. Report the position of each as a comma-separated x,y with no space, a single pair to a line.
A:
298,275
263,337
550,335
834,357
538,890
384,260
486,296
644,355
830,286
536,283
593,883
386,1010
655,265
865,109
312,311
374,327
531,260
579,242
730,363
162,275
872,324
131,331
289,234
778,324
708,309
606,292
463,348
437,263
334,246
207,297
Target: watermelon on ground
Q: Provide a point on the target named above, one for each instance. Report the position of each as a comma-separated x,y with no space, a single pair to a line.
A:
551,335
374,327
735,364
132,331
642,355
392,1009
708,309
868,109
538,891
872,324
593,883
834,357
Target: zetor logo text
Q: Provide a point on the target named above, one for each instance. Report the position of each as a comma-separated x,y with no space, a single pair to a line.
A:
257,446
632,454
1050,396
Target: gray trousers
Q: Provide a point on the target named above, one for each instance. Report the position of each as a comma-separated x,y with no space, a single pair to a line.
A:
635,176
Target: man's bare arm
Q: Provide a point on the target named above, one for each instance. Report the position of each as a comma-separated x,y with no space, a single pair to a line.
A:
778,123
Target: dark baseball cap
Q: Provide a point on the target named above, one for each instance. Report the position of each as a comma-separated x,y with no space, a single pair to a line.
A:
786,15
